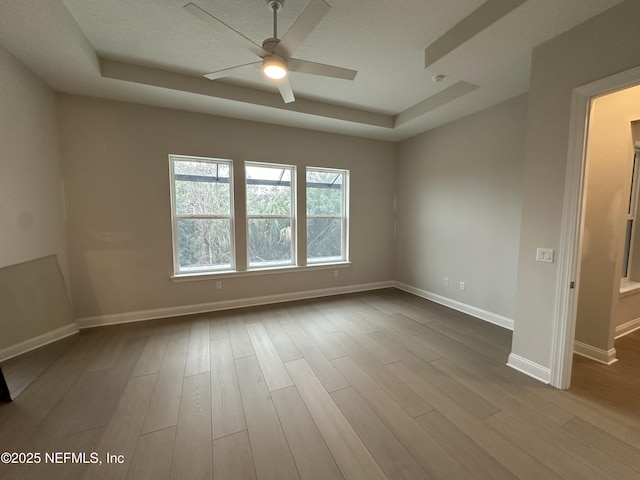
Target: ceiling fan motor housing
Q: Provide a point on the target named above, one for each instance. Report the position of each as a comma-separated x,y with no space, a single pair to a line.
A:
270,44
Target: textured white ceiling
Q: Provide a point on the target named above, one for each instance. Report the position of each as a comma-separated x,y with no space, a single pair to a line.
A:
64,41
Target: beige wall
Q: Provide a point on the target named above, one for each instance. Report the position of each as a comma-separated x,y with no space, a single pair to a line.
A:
31,193
609,166
458,189
115,161
596,49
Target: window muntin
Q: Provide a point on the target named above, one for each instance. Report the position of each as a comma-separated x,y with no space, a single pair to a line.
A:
327,226
270,196
201,196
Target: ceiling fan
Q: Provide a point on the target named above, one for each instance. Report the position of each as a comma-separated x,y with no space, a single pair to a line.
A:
275,53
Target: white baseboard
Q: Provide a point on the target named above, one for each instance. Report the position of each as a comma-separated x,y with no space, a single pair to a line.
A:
594,353
37,342
116,318
461,307
626,328
530,368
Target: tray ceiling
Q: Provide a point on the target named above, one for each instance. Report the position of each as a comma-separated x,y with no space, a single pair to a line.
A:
154,52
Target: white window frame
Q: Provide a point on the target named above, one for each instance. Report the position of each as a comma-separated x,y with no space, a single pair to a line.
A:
628,282
175,217
344,217
292,217
238,218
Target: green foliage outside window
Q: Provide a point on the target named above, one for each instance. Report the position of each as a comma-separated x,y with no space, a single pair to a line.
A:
325,215
269,197
202,194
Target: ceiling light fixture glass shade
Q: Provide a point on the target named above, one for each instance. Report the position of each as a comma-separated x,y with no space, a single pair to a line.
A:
274,67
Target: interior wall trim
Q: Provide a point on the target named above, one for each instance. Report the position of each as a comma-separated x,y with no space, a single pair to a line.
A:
138,316
459,306
599,355
532,369
37,342
627,328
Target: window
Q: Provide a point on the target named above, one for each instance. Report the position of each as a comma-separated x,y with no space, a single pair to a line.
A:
632,209
270,214
202,220
212,234
326,215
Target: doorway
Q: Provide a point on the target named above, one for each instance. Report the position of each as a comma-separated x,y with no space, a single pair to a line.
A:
573,231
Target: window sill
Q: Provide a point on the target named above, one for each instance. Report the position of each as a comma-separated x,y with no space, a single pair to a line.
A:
629,287
195,277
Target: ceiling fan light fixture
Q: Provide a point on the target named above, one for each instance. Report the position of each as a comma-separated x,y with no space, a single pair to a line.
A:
274,68
275,53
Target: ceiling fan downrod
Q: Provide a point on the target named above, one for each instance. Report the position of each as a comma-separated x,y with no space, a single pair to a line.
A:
275,6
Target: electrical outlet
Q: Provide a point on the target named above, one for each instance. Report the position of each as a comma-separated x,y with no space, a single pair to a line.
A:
463,285
446,281
335,273
218,285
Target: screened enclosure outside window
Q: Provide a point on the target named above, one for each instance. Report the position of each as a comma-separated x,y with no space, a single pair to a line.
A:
201,210
327,202
270,197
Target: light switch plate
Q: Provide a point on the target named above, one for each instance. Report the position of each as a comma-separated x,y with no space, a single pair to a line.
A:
544,255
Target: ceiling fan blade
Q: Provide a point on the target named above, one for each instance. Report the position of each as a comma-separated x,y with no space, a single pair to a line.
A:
302,27
230,33
231,71
313,68
285,90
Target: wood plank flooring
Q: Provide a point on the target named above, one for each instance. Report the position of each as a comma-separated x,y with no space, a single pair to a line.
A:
375,385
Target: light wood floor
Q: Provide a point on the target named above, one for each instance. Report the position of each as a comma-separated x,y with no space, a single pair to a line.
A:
366,386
